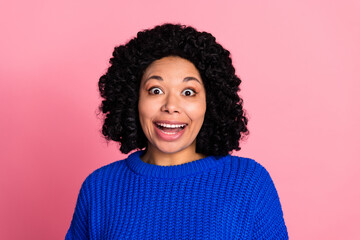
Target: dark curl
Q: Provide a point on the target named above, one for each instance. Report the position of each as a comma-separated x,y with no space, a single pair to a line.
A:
225,121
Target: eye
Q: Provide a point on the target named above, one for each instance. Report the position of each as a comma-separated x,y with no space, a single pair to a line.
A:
189,92
155,91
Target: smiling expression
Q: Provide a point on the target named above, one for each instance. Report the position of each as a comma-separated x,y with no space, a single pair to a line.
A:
172,105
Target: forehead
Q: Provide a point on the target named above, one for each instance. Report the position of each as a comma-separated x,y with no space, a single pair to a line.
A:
172,66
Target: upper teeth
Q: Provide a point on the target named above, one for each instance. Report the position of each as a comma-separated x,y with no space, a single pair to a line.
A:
171,125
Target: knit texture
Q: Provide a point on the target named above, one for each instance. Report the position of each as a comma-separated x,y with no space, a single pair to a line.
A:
211,198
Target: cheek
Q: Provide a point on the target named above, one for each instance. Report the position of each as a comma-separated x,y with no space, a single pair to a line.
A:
143,111
196,112
147,110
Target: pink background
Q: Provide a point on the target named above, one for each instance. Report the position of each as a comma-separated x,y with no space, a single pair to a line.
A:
299,62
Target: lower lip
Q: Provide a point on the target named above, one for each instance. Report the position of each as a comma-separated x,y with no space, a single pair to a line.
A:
169,137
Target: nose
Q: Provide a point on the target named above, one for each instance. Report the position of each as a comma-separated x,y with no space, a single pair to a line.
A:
171,104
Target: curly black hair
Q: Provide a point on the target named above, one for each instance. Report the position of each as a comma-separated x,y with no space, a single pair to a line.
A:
225,121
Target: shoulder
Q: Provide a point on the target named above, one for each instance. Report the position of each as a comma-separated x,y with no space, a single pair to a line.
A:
106,173
255,174
247,164
250,171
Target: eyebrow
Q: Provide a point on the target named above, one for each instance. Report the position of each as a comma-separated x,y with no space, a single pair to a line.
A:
186,79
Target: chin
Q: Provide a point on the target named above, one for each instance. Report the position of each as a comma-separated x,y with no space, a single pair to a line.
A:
170,148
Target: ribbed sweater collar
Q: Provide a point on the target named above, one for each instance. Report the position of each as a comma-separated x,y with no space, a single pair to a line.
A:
137,165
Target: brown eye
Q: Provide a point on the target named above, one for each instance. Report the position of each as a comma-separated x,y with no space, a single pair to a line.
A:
188,92
155,91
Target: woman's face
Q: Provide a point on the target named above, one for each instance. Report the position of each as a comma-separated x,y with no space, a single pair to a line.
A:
172,104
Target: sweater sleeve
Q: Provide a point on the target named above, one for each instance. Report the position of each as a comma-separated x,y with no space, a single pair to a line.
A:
269,221
79,227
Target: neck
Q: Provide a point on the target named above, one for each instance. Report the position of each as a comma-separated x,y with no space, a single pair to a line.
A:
157,157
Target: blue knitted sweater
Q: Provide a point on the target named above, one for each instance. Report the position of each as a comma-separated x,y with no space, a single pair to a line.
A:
211,198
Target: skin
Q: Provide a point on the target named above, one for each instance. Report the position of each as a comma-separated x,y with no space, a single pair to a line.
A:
171,88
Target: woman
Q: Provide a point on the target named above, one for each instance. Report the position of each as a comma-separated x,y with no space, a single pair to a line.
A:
170,94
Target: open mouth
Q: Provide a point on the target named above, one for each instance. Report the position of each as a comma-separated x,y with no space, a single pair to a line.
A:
170,128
